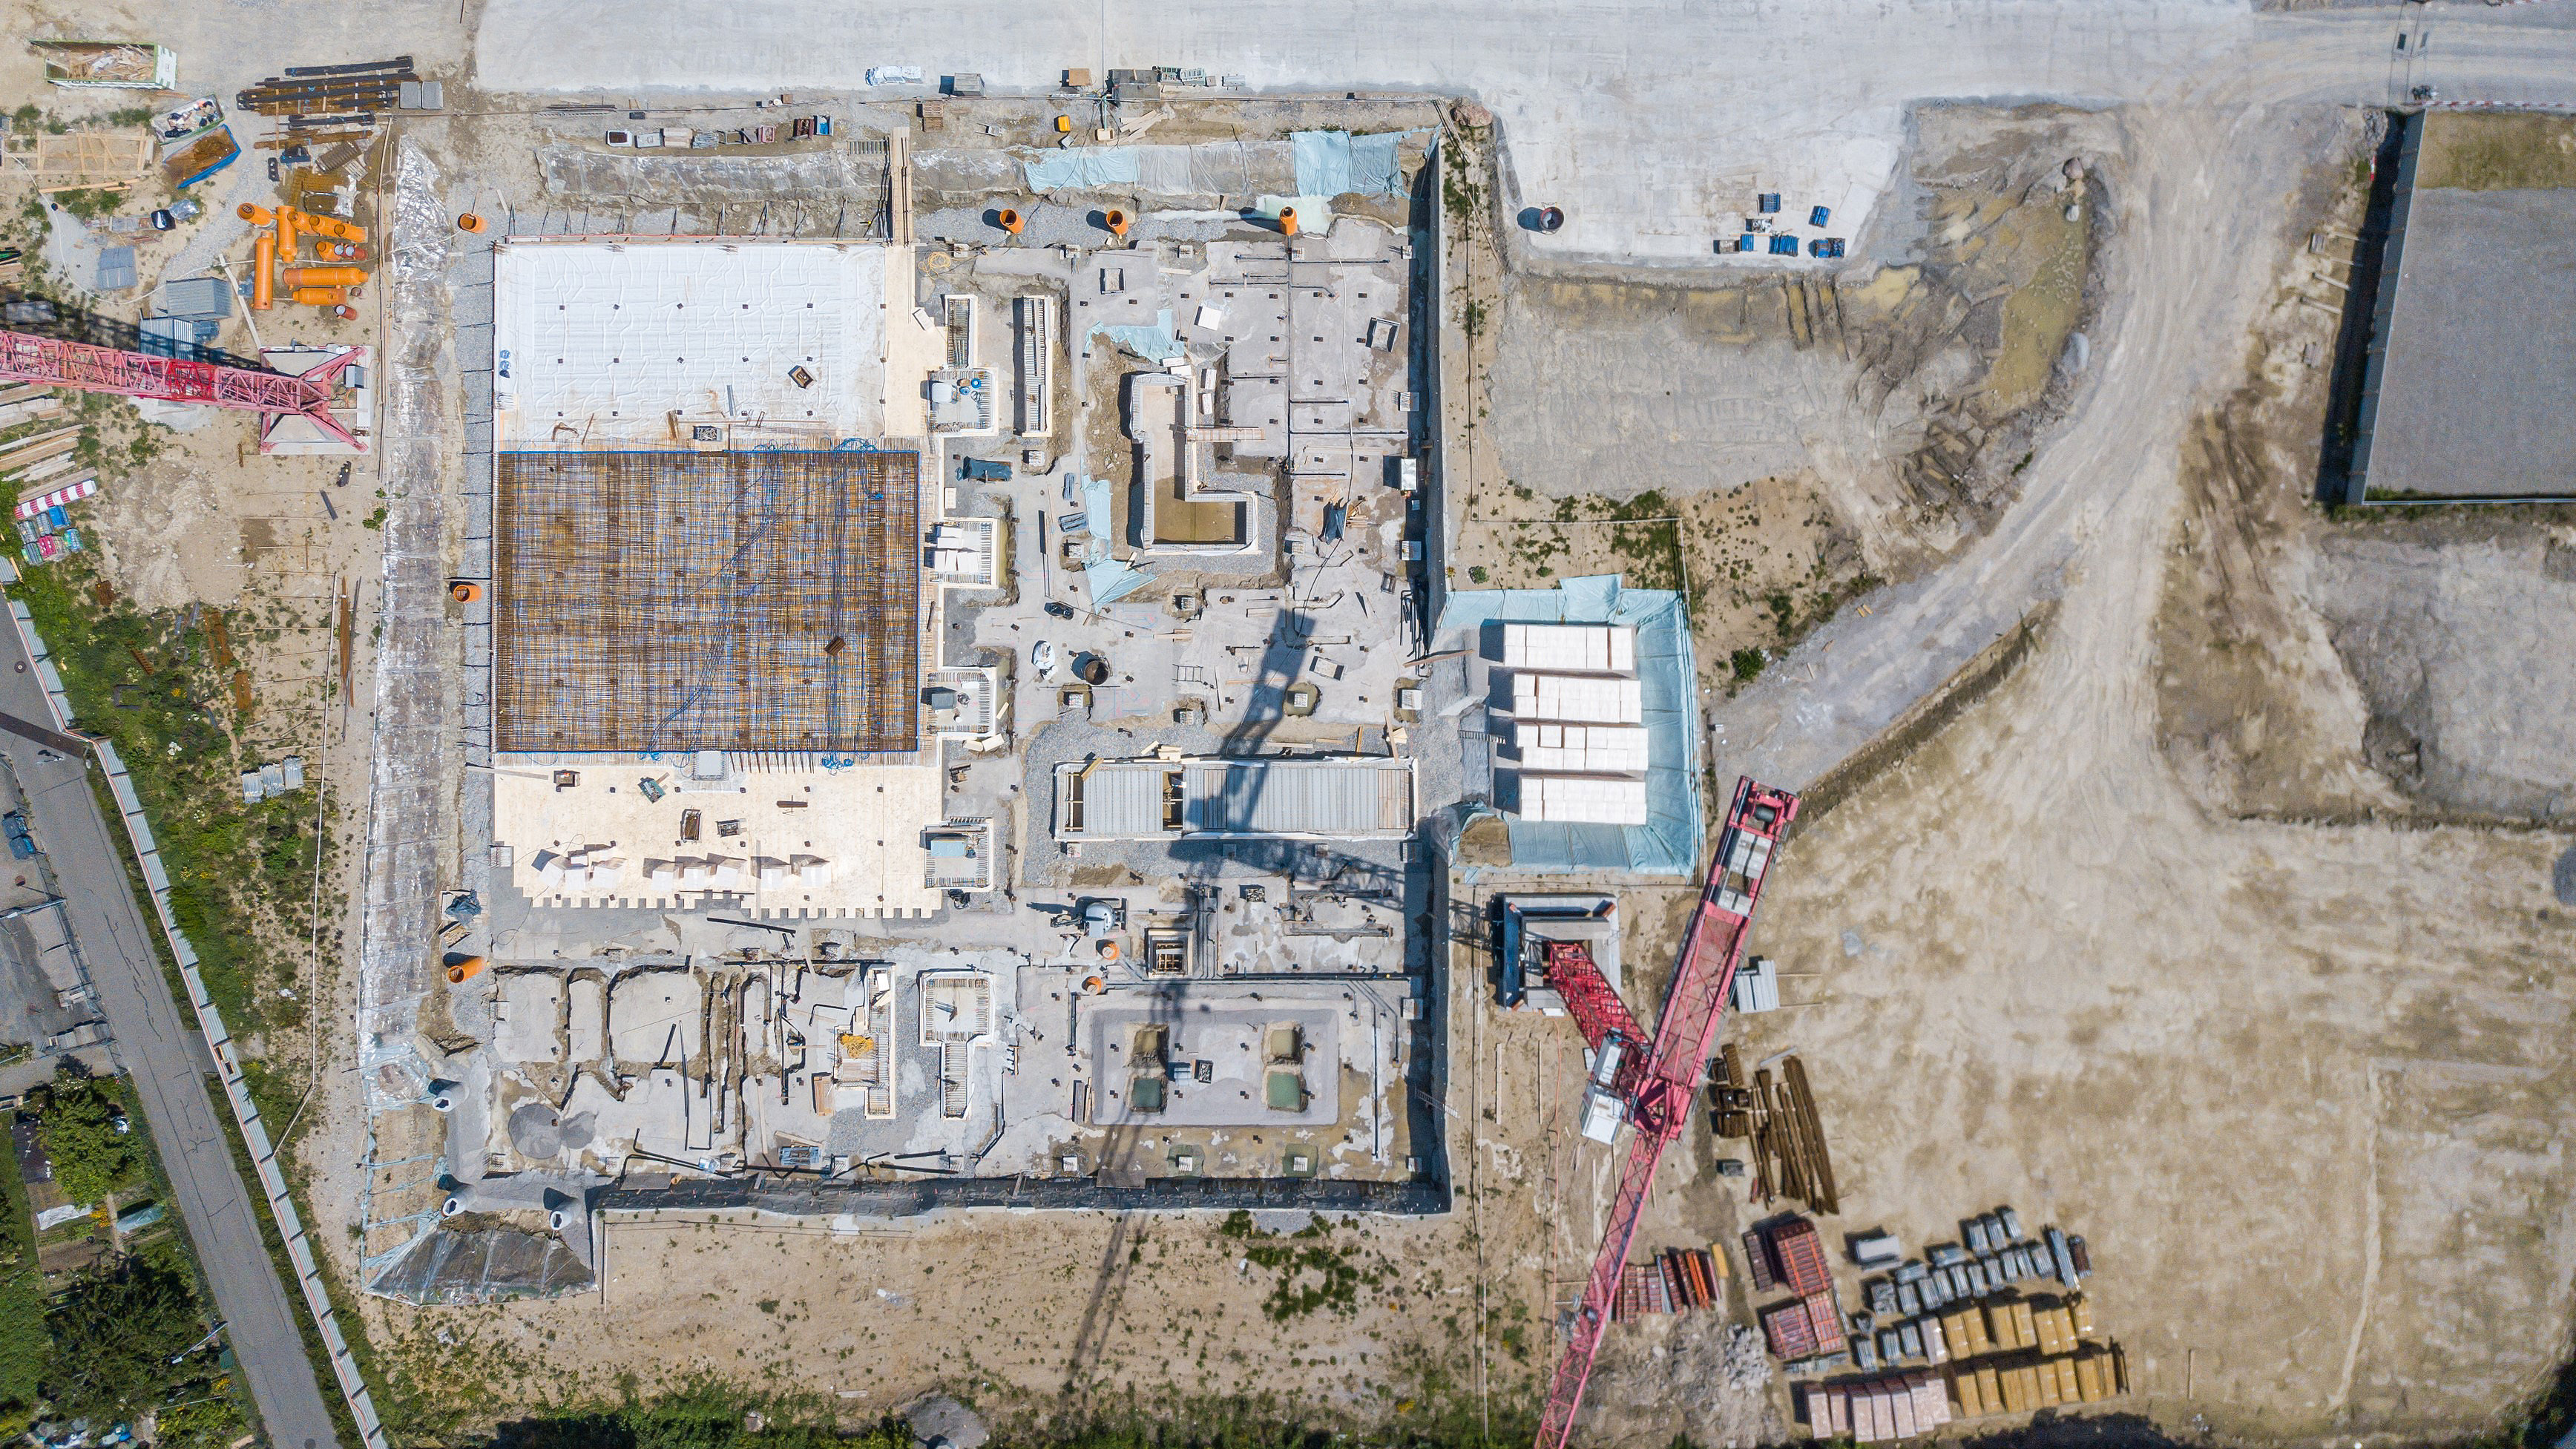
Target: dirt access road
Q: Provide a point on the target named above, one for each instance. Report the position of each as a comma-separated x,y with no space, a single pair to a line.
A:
2212,157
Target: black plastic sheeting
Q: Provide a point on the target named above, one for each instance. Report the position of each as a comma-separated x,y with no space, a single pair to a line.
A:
911,1199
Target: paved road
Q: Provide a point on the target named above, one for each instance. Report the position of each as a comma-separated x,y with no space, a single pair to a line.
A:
157,1043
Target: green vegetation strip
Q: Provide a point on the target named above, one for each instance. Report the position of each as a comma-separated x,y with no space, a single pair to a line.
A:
90,632
150,685
127,1335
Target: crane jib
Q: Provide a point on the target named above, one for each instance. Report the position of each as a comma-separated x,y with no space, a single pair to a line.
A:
1676,1069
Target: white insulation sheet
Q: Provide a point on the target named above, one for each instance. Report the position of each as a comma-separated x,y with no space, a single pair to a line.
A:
601,342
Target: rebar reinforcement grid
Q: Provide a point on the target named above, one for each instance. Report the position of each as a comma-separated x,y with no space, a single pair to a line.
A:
739,600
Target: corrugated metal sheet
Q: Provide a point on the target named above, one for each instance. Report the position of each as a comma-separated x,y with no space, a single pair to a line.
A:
115,268
197,297
1121,798
1343,798
1337,798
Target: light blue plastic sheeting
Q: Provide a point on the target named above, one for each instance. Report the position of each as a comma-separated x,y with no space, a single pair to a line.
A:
1096,512
1111,581
1153,343
1670,841
1334,163
1082,168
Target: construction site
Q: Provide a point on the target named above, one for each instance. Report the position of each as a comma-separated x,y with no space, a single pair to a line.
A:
1100,721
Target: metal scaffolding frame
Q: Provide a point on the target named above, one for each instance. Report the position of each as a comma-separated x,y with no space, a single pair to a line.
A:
754,600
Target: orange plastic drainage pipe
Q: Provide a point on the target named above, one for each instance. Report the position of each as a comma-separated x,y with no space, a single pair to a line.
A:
318,296
1287,221
263,272
326,276
330,226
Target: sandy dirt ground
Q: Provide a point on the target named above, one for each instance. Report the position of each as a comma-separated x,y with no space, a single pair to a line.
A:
2029,965
2302,1084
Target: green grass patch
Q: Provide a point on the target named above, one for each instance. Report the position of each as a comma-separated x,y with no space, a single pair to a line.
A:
24,1345
89,205
2512,152
1433,1409
150,684
1313,1271
705,1415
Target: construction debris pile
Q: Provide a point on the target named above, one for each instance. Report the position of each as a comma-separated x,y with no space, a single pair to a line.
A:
114,64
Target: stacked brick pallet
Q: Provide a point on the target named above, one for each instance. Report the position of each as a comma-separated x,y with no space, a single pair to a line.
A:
1894,1406
1960,1309
1803,1328
2012,1356
1792,1255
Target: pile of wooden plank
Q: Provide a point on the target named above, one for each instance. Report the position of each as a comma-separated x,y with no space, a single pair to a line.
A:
2027,1383
1918,1401
80,160
1779,1116
374,85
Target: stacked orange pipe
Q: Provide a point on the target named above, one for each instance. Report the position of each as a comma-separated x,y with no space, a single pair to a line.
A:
312,286
330,226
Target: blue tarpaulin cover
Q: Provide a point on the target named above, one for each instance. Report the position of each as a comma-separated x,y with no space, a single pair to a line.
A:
1154,343
1669,843
1100,519
1086,168
1336,163
1111,581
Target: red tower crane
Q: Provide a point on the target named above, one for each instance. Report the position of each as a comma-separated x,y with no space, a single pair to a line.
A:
1658,1093
26,357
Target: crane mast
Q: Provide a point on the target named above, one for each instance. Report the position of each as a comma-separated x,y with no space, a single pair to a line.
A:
1673,1070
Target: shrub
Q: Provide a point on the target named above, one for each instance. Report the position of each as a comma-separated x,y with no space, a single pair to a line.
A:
91,1157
